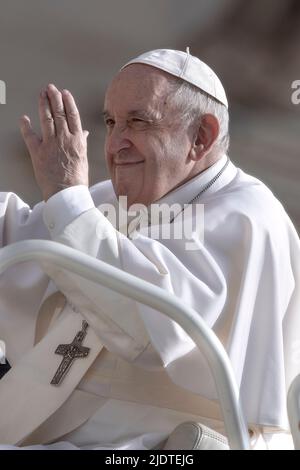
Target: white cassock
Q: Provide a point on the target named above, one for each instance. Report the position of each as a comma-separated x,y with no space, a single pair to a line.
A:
143,370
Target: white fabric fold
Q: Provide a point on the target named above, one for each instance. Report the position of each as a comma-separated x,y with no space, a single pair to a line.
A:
243,279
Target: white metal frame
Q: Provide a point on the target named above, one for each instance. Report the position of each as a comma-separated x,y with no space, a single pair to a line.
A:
145,292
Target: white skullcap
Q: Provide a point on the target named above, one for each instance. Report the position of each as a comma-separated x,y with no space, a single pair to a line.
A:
185,66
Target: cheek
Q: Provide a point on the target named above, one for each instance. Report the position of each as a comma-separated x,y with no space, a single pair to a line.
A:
105,150
172,153
107,157
179,148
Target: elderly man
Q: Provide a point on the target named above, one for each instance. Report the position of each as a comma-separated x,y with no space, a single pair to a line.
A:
167,137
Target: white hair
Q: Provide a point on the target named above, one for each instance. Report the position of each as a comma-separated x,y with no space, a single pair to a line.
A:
193,103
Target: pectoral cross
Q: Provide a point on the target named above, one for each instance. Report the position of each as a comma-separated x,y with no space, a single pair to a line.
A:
71,351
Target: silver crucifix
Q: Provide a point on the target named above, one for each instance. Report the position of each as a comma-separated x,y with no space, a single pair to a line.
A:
71,351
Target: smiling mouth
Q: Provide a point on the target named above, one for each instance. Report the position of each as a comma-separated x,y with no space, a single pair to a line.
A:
128,163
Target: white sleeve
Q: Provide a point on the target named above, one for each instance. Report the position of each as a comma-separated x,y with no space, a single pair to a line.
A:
63,207
128,328
18,221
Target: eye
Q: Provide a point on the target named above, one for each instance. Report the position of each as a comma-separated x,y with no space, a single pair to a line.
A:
109,122
138,122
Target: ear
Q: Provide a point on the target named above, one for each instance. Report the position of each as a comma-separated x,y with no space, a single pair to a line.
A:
207,134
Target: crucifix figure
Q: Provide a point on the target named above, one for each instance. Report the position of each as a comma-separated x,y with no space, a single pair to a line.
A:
71,351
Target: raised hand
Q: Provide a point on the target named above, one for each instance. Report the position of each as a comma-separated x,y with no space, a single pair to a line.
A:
59,157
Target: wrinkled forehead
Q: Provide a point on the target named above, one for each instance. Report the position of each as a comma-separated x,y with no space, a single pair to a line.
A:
139,84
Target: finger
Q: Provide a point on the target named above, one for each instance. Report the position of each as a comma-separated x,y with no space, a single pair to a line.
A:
57,109
32,141
73,116
46,119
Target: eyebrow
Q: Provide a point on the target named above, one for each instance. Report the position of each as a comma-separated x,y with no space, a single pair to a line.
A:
137,112
105,113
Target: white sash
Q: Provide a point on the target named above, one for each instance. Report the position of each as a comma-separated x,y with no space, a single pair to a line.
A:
27,399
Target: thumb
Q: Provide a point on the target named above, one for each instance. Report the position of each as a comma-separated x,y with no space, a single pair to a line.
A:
30,138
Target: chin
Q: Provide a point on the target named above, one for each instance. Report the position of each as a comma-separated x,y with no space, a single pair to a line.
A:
122,191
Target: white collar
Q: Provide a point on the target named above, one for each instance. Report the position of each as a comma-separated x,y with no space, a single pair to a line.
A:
185,193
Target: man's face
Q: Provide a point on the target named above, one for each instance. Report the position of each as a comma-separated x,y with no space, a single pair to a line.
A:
146,145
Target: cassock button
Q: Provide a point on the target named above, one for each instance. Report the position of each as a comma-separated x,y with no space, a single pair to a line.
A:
51,225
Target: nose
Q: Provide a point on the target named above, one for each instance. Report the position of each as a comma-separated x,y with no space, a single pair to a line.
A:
116,140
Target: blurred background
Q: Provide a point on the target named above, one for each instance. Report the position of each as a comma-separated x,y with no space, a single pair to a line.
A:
80,44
